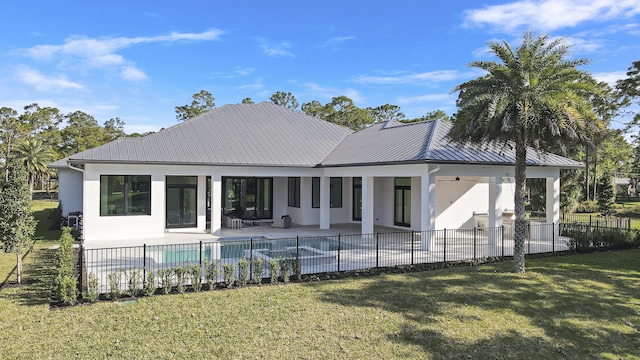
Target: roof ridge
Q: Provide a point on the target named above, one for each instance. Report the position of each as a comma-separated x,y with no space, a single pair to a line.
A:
427,149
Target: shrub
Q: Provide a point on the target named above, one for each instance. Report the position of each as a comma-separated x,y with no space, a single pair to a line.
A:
64,261
195,273
113,280
91,293
166,279
243,269
211,272
134,279
587,207
274,269
258,270
582,238
284,269
149,287
68,286
229,274
181,275
295,266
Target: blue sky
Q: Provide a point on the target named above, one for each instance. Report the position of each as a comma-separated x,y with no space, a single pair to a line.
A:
137,60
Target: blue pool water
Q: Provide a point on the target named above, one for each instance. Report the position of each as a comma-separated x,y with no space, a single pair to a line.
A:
235,248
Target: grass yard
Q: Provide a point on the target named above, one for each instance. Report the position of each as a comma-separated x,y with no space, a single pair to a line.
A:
569,307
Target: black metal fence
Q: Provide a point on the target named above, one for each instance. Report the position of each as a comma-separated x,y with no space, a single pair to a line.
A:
323,254
596,221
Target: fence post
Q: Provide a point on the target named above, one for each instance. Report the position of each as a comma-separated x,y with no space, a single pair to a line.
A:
502,237
251,259
444,248
553,236
201,261
412,236
377,250
83,269
529,238
474,241
338,252
144,263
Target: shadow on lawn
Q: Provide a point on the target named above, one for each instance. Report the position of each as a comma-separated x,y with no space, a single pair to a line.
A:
38,265
556,297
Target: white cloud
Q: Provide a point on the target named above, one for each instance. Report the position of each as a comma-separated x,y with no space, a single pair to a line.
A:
257,85
425,77
102,52
316,91
245,71
132,73
275,50
610,77
333,42
425,98
43,83
549,15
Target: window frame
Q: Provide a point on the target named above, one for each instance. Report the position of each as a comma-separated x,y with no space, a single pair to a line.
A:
126,195
293,192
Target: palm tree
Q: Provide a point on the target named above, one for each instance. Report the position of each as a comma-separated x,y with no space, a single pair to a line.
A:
35,156
533,97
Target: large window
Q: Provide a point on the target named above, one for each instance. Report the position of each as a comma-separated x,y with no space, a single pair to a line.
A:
335,190
247,197
294,192
125,195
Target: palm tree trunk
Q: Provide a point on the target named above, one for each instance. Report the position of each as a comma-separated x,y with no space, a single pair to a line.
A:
519,226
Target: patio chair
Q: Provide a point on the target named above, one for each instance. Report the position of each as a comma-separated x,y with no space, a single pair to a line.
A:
284,222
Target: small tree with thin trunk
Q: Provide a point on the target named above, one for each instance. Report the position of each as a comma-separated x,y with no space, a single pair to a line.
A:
17,224
606,195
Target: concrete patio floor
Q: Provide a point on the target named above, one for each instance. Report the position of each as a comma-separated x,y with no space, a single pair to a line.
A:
246,232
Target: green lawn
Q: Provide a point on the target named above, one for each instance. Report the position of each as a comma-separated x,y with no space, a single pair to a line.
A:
571,307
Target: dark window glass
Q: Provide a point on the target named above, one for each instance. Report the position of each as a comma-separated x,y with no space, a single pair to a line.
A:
125,195
294,192
315,192
336,192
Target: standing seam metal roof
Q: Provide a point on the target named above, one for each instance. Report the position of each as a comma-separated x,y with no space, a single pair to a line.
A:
265,134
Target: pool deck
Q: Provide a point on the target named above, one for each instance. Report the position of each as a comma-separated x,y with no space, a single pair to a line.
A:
246,232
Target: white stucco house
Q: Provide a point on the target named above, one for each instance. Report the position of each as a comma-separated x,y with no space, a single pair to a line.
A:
264,161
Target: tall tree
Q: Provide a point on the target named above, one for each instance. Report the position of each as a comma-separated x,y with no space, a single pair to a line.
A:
113,129
533,97
12,128
285,99
630,87
34,155
202,102
247,100
341,110
44,123
81,133
386,112
17,224
431,115
607,195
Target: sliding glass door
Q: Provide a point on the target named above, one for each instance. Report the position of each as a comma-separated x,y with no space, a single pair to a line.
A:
247,198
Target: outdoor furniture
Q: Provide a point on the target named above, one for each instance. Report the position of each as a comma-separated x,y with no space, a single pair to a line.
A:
284,222
231,222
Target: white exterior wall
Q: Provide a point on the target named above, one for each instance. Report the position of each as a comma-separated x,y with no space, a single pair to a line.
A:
455,202
70,190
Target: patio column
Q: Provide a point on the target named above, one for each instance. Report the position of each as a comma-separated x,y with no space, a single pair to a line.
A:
216,200
495,209
325,205
553,199
427,211
367,204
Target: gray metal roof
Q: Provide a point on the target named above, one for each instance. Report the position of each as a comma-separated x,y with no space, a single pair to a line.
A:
426,141
265,134
261,134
